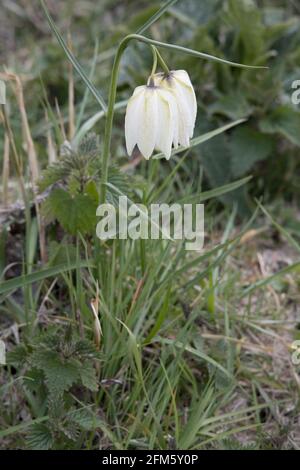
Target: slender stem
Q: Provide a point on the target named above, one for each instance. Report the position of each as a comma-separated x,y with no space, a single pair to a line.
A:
150,81
154,66
143,244
143,256
109,120
162,63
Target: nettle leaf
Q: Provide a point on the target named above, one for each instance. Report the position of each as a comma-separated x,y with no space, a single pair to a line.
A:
51,175
18,355
120,181
247,147
85,349
69,429
34,380
56,407
60,377
75,214
92,191
85,419
40,437
60,374
88,376
234,444
73,183
89,145
75,167
284,120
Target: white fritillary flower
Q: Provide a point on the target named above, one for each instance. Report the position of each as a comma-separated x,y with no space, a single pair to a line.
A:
179,83
151,120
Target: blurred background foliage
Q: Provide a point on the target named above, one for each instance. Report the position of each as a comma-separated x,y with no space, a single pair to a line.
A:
246,31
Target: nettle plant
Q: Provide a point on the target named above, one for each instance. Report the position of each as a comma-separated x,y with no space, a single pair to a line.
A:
70,187
54,364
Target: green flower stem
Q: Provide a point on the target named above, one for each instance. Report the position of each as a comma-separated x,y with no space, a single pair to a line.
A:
110,113
162,63
150,81
154,66
109,120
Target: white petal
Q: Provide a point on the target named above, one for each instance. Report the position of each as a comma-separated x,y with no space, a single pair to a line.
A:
185,120
147,125
179,82
132,118
183,80
183,76
167,120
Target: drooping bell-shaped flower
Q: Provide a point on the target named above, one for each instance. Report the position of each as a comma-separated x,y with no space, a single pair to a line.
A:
179,83
151,120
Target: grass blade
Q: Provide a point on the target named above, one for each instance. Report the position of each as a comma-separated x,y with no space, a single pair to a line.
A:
195,352
89,124
156,16
203,138
220,191
38,276
280,229
73,60
267,280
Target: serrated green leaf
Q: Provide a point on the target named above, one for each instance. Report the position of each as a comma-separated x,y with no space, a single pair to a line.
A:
89,145
59,375
69,429
233,444
18,355
85,349
34,379
85,418
88,376
75,214
40,437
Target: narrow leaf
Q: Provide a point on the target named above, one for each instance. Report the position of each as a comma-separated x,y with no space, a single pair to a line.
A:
73,60
217,192
38,276
203,138
264,282
156,16
192,52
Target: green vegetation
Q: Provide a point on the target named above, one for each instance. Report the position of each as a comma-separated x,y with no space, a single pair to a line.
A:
140,344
